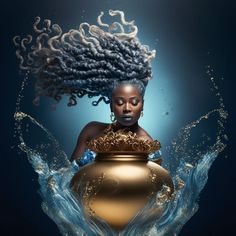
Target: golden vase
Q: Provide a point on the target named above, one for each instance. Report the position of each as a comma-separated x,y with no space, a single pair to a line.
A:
118,185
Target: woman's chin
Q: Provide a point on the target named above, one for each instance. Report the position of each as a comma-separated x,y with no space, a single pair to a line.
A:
128,123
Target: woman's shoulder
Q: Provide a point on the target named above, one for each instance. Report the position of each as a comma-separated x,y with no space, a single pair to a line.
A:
96,124
143,134
94,128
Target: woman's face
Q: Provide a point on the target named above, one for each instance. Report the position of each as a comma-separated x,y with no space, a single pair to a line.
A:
127,104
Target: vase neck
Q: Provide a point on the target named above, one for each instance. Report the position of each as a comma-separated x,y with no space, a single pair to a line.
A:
122,156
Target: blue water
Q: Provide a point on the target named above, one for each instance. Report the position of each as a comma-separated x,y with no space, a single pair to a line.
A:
189,175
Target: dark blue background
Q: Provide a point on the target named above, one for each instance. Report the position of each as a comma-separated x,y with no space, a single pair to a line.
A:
189,30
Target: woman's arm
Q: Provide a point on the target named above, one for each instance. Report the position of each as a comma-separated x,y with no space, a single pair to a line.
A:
81,144
90,131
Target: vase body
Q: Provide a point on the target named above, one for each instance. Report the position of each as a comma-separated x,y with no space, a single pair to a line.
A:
117,185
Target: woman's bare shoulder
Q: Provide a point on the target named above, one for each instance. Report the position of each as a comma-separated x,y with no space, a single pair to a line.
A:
94,128
143,134
96,124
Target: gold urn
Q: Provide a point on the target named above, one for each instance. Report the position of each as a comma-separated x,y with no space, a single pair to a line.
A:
118,184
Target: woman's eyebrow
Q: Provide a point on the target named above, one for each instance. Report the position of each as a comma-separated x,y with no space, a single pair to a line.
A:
134,97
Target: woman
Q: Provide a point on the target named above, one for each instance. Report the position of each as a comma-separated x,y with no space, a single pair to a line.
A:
126,107
101,60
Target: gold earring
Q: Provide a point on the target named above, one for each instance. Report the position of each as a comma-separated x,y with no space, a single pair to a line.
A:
141,115
112,117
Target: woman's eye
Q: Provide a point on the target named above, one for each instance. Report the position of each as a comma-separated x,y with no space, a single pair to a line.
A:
134,102
119,102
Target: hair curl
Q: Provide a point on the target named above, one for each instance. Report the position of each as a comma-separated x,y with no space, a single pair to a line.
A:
80,62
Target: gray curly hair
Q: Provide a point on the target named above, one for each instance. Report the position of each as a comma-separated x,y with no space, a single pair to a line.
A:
80,62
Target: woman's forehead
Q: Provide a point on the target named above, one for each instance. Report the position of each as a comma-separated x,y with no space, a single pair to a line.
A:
126,90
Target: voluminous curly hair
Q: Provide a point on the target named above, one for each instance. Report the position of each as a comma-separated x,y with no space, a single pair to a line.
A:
90,60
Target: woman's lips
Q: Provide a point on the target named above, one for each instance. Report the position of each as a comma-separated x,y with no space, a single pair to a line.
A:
127,118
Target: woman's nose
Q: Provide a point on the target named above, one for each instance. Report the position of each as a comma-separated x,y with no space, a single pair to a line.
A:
127,107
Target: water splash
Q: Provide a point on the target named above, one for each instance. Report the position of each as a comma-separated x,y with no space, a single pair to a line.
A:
189,163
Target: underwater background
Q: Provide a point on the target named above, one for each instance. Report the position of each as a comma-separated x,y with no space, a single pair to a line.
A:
188,37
